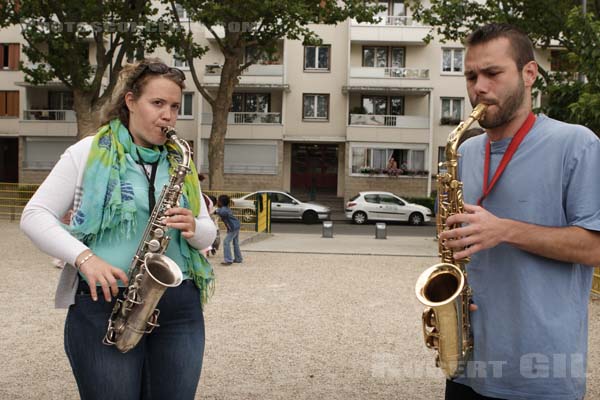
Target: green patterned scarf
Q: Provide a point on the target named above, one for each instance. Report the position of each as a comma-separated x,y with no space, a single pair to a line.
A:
108,201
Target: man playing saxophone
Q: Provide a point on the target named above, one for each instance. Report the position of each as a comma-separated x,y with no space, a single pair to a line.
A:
112,180
531,229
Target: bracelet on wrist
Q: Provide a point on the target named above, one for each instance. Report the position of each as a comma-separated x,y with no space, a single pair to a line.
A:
90,255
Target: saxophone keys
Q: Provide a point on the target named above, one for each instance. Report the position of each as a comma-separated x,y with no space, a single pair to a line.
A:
153,245
158,233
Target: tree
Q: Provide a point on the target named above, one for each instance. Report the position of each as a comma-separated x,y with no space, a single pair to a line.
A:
58,37
547,22
257,24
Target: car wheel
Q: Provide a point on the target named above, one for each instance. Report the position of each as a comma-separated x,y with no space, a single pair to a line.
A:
310,217
416,219
359,217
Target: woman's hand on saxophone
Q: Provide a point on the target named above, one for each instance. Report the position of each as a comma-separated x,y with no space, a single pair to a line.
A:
182,219
97,271
481,230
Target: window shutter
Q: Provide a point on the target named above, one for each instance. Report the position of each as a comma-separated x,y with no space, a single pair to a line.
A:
12,104
13,56
2,104
2,55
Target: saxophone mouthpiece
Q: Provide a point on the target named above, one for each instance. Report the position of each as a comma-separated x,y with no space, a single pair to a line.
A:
169,131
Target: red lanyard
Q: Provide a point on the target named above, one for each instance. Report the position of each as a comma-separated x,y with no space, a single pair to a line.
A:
512,148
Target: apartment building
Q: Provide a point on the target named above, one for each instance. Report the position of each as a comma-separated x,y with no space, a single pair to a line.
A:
323,118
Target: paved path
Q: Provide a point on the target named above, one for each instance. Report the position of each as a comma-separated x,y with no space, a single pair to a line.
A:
280,326
406,246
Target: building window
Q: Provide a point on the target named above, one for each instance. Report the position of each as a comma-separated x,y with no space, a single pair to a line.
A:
9,56
376,57
315,106
187,103
181,12
452,60
254,55
317,58
452,111
59,100
383,105
375,160
180,62
9,104
384,57
251,102
394,13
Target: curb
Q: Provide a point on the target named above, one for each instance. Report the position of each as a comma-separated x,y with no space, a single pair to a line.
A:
257,237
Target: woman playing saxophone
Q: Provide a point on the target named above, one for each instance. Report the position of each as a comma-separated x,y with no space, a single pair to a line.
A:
112,180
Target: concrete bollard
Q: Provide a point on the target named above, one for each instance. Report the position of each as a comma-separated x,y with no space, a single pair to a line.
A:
328,229
380,230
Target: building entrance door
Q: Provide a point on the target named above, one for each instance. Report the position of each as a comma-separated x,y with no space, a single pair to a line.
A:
314,168
9,160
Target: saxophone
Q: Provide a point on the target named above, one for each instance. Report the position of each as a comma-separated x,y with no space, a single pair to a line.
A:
151,273
443,287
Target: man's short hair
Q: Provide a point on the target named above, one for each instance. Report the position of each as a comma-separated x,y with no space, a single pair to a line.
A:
522,48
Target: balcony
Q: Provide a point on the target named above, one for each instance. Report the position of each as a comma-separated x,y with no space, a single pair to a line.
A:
388,77
48,123
49,115
257,75
390,29
248,125
393,121
247,118
388,128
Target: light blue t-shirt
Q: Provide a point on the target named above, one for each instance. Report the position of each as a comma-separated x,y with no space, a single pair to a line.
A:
119,253
530,331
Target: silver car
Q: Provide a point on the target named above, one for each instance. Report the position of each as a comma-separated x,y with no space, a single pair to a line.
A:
286,206
385,206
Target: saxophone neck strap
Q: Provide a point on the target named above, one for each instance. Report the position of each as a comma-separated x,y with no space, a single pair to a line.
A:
510,152
151,176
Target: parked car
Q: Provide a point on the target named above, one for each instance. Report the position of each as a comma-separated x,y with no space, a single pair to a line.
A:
286,206
385,206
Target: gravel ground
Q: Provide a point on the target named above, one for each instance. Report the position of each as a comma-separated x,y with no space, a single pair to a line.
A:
280,326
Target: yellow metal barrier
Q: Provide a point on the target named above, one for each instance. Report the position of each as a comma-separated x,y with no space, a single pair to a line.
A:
596,281
246,216
263,214
13,197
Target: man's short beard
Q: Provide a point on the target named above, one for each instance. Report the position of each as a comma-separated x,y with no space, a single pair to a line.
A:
507,110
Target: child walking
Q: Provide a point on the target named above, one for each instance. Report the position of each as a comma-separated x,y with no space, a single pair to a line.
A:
233,231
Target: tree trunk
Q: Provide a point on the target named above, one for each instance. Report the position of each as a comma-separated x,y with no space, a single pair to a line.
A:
220,112
87,116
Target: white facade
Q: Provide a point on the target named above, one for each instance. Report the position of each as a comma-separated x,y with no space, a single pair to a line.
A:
326,118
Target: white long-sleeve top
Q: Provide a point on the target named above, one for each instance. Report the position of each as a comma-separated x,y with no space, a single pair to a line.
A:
60,192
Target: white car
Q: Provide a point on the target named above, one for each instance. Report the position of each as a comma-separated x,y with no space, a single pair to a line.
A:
286,206
385,206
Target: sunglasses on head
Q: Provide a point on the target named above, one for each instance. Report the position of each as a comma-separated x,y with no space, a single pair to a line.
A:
160,68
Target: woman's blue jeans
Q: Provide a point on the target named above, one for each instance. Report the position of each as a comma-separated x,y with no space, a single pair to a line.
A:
165,364
233,236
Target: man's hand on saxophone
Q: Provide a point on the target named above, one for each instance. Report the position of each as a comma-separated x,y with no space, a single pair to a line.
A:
98,271
481,230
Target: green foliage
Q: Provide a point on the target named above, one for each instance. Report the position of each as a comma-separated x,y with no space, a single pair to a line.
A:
548,22
423,201
259,23
58,37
